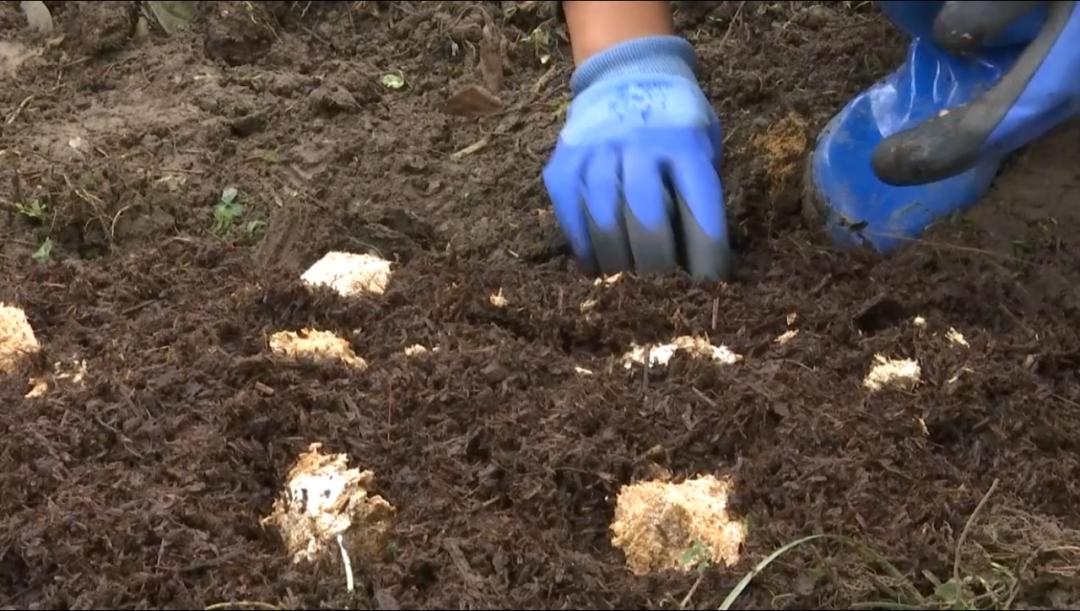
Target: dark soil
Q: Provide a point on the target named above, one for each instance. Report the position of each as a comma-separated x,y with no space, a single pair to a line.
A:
142,484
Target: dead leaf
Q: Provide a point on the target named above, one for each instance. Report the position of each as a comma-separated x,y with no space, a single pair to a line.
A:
473,101
491,58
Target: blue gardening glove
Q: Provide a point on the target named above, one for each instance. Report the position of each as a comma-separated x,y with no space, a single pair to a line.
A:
981,80
634,178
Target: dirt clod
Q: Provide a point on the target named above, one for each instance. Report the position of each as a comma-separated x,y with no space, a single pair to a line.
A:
103,27
238,32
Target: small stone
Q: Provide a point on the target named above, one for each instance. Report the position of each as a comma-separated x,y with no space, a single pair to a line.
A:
495,373
248,124
332,98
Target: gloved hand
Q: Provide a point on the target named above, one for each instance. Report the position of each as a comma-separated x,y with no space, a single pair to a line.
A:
981,80
634,178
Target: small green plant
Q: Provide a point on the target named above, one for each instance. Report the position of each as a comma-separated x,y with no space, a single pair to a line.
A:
253,228
44,251
393,80
227,211
173,16
696,557
33,209
966,589
540,39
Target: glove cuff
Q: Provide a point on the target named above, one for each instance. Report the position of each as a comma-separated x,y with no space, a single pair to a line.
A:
667,55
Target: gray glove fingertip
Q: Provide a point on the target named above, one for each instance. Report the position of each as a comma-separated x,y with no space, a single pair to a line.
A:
654,250
610,248
706,258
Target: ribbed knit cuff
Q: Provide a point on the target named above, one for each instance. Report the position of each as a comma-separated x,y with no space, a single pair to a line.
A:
668,55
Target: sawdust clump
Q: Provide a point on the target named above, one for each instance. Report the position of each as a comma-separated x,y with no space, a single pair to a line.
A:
17,341
666,526
784,145
317,346
892,373
660,355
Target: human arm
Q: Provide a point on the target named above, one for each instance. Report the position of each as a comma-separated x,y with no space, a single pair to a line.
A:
634,178
596,26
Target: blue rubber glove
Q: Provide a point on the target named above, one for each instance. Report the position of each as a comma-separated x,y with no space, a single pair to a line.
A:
981,80
634,178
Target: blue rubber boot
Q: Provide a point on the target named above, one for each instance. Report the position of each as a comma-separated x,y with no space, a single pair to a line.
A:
881,196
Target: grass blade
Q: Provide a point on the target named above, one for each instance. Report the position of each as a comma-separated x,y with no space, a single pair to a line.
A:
745,581
884,604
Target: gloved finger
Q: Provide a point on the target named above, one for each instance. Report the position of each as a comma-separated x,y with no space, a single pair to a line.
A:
1014,111
605,218
563,178
970,25
649,213
703,231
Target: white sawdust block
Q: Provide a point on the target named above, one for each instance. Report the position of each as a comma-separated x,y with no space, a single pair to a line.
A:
349,274
322,500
